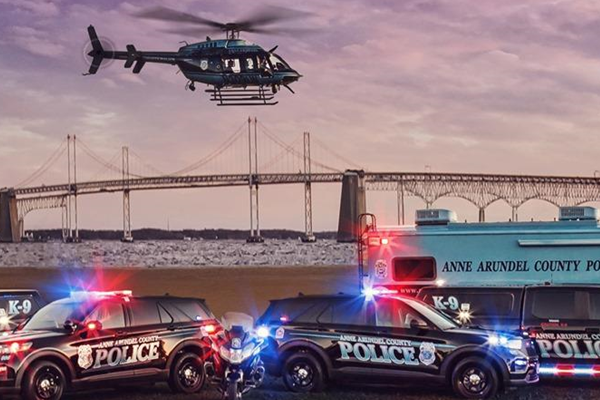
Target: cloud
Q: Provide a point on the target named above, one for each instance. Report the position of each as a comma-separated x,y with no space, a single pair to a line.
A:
35,41
43,8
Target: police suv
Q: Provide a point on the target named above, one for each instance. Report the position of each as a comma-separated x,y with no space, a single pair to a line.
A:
106,337
16,306
382,338
563,320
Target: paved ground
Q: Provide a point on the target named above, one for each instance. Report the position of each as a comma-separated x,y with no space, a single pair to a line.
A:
274,390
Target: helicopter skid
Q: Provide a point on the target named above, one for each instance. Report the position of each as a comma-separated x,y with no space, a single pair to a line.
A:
232,96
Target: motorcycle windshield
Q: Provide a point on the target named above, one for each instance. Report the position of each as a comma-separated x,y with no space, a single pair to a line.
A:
231,319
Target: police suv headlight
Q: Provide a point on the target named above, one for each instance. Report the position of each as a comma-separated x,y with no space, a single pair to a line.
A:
503,341
15,347
515,344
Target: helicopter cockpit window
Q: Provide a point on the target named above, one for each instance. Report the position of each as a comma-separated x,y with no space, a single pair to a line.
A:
231,65
278,63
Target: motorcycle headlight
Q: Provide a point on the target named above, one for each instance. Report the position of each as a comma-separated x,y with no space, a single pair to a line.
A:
224,353
248,351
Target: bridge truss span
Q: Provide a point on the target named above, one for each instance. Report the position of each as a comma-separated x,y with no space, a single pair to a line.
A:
485,189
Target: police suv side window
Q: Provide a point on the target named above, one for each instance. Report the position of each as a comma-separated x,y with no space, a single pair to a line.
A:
109,314
558,303
395,314
186,310
144,312
595,304
350,312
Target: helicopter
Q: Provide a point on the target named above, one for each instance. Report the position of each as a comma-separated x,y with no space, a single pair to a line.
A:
237,72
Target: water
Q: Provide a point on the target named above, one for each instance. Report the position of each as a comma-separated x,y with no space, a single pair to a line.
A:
150,254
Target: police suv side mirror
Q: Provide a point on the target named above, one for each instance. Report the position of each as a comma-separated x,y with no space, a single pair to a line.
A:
416,324
70,326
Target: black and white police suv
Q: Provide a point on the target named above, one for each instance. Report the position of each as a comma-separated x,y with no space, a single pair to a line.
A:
563,320
16,306
381,338
93,338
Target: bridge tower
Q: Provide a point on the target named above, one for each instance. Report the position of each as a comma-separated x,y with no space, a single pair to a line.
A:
353,203
127,236
9,219
309,236
253,183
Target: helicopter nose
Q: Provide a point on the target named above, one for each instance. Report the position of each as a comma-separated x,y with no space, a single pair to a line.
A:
292,77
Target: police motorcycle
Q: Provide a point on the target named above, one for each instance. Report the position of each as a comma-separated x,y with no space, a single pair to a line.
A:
235,366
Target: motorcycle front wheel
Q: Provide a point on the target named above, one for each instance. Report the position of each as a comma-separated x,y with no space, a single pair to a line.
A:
233,392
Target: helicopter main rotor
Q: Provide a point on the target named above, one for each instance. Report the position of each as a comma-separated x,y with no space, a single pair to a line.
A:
259,22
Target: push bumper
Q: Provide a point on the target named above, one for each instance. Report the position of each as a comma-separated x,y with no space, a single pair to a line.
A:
531,375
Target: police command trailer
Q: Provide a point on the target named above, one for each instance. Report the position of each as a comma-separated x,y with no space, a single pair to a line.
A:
439,250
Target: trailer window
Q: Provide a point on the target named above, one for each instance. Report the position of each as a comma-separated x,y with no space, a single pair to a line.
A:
480,304
414,269
594,305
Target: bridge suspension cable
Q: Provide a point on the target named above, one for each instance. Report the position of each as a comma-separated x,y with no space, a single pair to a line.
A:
61,149
337,155
293,151
221,149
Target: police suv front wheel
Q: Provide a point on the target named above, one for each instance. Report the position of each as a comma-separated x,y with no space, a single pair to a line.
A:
475,378
44,381
303,373
187,374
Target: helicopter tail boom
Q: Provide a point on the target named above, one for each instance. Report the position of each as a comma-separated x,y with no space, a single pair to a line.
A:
132,57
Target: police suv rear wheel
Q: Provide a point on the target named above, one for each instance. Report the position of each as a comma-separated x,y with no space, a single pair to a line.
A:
303,373
475,378
187,374
44,381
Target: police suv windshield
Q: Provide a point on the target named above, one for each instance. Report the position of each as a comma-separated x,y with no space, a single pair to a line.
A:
54,315
435,317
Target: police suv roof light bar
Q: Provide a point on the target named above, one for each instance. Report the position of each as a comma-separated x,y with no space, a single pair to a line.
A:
95,293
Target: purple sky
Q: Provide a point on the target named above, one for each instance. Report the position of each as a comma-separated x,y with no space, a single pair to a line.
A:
466,86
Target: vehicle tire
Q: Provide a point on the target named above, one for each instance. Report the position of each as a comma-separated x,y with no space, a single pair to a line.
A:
233,393
187,374
475,378
44,380
303,373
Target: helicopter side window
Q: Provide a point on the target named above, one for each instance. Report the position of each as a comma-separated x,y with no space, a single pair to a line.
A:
231,65
214,64
264,66
250,64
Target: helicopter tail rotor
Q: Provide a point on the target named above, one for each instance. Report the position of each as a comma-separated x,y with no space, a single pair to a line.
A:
97,52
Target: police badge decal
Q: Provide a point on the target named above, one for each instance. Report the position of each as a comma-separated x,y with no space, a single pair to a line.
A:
84,356
427,353
381,270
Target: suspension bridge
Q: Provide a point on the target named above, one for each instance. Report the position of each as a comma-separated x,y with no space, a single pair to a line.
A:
254,156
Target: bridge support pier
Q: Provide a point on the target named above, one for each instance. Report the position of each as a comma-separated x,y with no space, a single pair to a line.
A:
353,203
127,236
482,214
9,218
309,236
515,214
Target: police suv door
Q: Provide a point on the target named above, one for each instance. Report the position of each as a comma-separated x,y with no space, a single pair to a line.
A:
565,323
410,343
348,337
100,350
147,333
